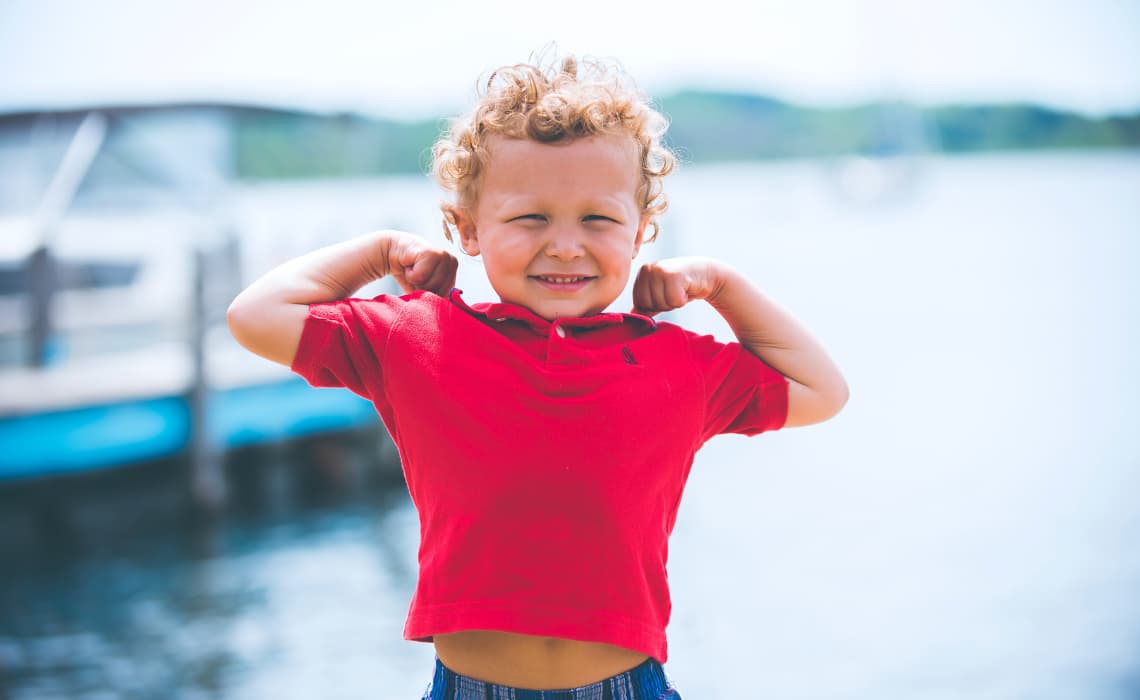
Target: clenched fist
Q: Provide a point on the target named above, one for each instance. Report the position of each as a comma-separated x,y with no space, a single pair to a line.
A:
416,264
671,283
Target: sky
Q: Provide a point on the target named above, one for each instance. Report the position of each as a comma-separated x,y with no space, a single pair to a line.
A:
422,58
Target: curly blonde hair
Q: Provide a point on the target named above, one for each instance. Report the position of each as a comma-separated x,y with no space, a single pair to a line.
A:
575,100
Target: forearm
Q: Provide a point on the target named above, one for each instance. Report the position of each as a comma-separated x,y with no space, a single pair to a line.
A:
817,387
327,274
267,317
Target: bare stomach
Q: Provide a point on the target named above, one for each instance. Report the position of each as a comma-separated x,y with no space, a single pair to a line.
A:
534,663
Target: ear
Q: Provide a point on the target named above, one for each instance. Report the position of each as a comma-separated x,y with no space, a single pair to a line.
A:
640,237
468,237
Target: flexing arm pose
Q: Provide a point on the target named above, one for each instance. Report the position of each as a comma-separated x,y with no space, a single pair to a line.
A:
268,317
816,389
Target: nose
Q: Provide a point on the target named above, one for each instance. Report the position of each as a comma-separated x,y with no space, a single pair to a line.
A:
565,242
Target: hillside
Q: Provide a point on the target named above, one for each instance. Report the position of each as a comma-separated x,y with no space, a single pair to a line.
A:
705,127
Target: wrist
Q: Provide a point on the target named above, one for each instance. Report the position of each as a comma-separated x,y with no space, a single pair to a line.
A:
720,278
381,250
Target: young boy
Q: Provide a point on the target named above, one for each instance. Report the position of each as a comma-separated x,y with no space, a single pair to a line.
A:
545,441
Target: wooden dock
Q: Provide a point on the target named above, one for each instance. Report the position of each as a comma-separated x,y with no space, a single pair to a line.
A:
99,412
113,346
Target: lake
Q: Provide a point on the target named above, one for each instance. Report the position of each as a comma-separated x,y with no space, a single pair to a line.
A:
968,527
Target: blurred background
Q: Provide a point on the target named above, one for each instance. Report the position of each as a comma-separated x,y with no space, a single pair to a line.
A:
948,194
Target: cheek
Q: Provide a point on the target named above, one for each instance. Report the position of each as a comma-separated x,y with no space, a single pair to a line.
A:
621,252
505,256
619,266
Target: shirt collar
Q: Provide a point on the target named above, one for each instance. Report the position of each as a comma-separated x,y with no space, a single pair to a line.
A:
504,311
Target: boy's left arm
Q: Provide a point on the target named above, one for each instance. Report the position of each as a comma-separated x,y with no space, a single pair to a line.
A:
816,388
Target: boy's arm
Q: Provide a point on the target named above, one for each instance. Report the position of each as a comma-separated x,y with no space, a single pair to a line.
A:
268,316
816,388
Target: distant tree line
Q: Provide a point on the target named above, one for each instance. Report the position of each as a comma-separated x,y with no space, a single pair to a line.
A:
705,127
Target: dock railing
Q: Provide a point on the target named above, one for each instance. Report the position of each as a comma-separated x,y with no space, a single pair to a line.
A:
42,275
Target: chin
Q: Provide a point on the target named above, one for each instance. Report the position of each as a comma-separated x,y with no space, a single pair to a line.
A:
553,314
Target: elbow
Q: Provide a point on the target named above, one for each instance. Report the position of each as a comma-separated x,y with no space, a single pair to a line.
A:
241,321
831,398
808,406
826,406
266,328
235,317
837,398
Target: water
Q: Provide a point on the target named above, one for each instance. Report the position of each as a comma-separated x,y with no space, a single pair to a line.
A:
966,528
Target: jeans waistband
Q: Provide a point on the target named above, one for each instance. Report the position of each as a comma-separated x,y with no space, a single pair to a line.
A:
646,681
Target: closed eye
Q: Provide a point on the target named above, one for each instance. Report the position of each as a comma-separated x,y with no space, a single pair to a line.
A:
530,217
599,217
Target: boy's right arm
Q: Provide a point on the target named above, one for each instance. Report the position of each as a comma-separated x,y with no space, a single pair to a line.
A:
268,317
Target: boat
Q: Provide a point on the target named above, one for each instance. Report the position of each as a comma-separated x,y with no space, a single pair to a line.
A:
115,271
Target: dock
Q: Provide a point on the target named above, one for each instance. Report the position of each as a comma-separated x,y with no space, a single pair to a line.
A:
115,273
100,412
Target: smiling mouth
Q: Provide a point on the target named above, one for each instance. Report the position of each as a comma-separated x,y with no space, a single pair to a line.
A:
562,279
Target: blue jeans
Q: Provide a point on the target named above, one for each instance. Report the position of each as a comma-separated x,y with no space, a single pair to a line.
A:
644,682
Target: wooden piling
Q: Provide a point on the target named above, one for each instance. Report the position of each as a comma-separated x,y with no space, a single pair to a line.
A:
207,478
41,280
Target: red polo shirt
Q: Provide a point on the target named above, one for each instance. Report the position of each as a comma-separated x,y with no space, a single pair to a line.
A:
546,459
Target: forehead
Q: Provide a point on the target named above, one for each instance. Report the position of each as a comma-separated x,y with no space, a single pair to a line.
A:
602,163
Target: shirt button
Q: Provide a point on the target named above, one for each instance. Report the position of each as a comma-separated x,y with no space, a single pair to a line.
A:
560,331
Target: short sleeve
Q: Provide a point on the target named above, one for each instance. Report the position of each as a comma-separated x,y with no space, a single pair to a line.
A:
343,343
742,394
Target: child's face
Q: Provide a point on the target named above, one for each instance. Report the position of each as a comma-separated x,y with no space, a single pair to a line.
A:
558,225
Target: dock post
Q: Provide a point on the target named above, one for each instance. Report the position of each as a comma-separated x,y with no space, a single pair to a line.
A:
41,282
43,269
207,479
